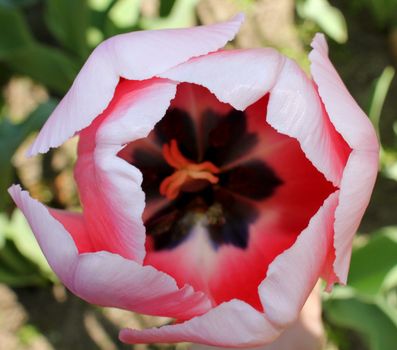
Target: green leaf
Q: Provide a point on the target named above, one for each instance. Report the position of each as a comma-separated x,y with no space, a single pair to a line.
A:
166,7
371,319
68,21
44,64
327,17
11,136
3,226
17,280
18,3
125,13
14,32
383,11
390,281
21,267
382,86
182,15
20,52
20,233
11,258
371,263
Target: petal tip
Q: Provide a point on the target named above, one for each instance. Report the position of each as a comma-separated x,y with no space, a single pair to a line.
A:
124,335
239,18
319,43
349,120
32,151
14,189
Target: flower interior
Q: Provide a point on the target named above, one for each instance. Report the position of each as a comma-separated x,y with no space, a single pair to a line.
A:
225,194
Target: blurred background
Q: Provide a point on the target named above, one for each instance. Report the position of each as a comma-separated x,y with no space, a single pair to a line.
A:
43,44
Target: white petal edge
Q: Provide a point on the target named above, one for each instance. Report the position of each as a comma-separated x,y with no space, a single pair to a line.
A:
361,169
109,187
237,77
355,192
343,111
293,274
134,56
235,323
241,77
132,286
231,324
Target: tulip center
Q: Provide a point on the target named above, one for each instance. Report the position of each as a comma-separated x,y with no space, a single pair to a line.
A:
188,176
198,172
225,194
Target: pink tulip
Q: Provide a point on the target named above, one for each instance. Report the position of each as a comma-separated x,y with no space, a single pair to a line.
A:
256,178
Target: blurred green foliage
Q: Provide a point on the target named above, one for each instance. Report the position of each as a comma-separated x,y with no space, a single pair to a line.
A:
49,40
21,260
328,18
383,11
23,54
369,304
11,137
373,262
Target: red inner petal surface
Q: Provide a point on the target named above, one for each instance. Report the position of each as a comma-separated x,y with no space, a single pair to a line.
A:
227,271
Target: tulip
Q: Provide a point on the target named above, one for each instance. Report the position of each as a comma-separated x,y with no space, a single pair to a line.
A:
307,333
217,186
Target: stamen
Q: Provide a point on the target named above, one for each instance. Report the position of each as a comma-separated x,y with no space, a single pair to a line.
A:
186,171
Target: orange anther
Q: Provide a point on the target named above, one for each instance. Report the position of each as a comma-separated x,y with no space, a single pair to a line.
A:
185,171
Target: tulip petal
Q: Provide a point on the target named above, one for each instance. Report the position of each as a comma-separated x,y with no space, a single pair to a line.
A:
295,110
345,114
305,334
109,187
283,298
235,323
134,56
361,169
231,324
237,77
294,107
355,192
229,261
49,233
74,224
104,278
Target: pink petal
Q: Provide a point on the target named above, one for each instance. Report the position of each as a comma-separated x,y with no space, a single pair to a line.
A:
104,278
241,77
306,334
49,233
355,192
134,56
231,272
361,169
305,259
283,298
74,224
345,114
296,110
107,279
109,187
237,77
231,324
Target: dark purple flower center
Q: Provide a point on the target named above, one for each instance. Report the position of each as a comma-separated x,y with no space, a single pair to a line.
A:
195,173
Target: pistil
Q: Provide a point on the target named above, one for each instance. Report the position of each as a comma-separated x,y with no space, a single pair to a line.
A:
187,173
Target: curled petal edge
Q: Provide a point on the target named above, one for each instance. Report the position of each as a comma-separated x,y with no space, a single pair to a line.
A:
104,278
362,166
134,56
237,324
109,187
